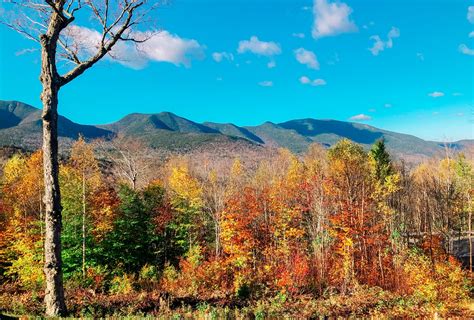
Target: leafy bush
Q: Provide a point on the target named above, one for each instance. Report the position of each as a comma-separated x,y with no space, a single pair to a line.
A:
121,284
442,283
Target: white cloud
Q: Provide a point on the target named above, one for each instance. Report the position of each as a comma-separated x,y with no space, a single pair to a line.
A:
167,47
436,94
471,34
219,56
360,117
387,105
466,50
307,58
318,82
25,51
315,83
420,56
331,19
298,35
86,42
271,64
161,47
470,14
305,80
380,45
372,110
258,47
393,33
460,114
367,26
266,83
457,94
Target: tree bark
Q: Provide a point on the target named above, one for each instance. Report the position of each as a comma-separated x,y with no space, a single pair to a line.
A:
54,295
217,235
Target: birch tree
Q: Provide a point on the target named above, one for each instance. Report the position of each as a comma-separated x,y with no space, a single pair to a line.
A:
83,160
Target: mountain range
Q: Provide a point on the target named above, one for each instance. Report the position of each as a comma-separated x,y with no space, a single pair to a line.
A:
20,126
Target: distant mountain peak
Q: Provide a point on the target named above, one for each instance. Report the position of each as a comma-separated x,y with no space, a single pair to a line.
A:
13,113
20,126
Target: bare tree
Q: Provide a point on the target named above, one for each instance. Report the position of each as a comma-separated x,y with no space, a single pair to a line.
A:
214,193
51,23
131,159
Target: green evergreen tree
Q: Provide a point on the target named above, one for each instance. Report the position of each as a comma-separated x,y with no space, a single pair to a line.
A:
133,241
382,165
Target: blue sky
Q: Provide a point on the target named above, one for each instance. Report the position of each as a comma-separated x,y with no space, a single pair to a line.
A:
401,65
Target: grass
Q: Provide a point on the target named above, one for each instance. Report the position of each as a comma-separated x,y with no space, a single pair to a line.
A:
362,304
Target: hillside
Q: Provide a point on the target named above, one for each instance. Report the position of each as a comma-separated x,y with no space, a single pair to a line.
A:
328,132
20,126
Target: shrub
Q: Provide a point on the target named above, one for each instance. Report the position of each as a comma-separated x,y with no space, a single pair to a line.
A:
121,284
148,277
442,283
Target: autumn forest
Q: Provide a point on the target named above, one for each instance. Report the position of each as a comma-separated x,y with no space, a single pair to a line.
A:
158,216
332,232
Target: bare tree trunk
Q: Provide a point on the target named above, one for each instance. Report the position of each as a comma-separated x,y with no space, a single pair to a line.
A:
41,224
217,235
381,269
58,17
54,295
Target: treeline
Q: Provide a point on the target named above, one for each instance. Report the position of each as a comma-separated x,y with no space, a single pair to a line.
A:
329,222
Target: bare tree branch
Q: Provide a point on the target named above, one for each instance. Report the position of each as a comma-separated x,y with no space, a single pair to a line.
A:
105,46
117,22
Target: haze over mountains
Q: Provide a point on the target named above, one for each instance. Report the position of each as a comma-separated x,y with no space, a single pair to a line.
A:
20,126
